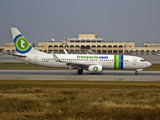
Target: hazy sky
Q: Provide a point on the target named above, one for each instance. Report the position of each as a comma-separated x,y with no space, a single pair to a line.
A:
118,20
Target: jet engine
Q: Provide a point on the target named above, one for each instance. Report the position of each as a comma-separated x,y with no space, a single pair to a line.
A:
95,68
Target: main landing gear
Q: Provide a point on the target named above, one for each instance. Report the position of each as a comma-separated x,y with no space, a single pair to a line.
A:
80,71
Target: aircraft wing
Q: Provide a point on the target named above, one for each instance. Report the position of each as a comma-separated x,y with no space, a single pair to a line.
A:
71,64
76,65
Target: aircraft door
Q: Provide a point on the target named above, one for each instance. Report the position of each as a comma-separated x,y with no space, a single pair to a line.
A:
35,59
134,61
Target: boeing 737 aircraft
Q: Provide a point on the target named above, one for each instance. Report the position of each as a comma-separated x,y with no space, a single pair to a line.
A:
90,62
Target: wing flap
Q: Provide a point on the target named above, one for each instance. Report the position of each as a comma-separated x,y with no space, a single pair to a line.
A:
76,65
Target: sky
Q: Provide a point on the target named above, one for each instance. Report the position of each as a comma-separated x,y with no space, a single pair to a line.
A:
118,20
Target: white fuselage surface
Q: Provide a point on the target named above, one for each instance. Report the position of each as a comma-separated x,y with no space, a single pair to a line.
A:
107,61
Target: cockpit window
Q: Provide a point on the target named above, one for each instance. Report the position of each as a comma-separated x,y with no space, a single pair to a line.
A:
142,60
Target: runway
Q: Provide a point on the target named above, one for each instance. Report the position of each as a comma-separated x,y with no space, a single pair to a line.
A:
72,75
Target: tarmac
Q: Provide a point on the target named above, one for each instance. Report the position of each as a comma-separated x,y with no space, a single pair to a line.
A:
72,75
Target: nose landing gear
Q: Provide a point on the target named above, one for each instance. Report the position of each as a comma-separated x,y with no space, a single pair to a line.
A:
80,71
136,72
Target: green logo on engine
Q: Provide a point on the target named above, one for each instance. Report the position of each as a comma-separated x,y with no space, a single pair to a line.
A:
95,68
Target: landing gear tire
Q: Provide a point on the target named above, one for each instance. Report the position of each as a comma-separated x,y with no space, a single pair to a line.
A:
136,72
80,71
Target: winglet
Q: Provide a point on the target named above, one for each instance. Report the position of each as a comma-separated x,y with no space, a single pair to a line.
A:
65,51
55,57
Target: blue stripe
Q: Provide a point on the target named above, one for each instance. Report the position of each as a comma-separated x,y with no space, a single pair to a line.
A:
17,37
120,62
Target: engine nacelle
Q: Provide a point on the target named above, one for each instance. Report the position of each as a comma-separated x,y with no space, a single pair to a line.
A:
95,68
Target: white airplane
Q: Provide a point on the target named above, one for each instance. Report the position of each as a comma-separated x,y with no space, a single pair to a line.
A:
90,62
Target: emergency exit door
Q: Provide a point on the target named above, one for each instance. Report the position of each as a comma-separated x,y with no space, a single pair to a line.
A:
35,59
134,61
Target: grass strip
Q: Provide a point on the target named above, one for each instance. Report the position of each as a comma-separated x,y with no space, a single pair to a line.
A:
78,100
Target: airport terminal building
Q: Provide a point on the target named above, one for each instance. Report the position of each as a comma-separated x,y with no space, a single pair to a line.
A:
87,42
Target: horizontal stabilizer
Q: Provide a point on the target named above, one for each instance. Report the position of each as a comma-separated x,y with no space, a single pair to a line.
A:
18,55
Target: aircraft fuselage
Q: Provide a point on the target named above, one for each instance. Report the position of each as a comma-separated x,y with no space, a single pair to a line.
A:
107,61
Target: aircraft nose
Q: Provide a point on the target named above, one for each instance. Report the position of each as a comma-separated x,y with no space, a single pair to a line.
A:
148,64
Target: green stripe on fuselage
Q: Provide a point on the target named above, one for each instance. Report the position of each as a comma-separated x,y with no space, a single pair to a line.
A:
116,63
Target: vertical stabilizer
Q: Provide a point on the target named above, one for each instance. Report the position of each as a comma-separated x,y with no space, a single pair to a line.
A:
15,32
21,44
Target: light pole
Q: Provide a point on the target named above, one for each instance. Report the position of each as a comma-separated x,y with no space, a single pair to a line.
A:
66,41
